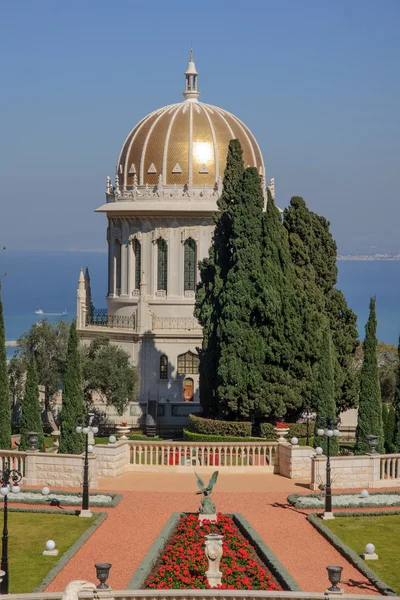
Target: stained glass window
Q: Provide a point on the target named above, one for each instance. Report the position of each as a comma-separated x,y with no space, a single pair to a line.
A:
138,262
190,265
162,265
188,363
163,367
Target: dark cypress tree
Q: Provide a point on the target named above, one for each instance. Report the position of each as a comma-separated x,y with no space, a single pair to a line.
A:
280,320
325,391
5,408
370,402
213,272
240,365
397,402
31,417
389,429
73,407
314,252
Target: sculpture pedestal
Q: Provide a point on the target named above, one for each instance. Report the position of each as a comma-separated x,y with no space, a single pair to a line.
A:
207,517
50,552
214,579
86,513
372,556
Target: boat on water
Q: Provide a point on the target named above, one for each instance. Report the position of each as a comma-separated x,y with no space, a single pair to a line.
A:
39,312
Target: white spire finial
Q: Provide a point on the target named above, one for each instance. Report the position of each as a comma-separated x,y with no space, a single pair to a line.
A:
191,74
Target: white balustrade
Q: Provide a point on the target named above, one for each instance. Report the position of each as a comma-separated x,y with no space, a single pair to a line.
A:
192,454
13,460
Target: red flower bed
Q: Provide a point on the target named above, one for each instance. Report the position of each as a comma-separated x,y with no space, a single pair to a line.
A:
184,563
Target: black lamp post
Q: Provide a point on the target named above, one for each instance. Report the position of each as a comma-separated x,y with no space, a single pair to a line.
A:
89,426
328,427
9,479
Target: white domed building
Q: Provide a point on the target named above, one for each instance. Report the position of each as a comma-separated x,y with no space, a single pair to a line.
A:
160,223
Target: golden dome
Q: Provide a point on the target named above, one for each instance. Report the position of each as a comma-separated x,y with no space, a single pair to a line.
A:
185,143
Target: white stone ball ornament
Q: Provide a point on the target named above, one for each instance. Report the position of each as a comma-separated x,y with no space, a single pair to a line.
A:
112,439
90,448
364,493
294,441
318,450
50,545
45,491
370,548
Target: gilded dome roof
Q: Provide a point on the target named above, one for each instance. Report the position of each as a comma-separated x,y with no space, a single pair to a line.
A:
184,143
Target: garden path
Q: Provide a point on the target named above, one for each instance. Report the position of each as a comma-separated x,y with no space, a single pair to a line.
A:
131,527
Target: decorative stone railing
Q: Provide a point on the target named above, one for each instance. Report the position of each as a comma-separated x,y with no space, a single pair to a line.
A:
160,455
13,460
194,595
100,318
176,323
389,466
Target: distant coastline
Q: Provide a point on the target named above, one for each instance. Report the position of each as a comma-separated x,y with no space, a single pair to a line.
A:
369,257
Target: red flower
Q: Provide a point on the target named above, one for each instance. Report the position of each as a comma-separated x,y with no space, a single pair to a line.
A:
282,425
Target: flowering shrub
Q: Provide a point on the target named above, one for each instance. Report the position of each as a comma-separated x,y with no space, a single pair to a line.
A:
282,425
184,563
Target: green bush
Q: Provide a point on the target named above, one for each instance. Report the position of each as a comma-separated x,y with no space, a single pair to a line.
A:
298,430
267,431
189,436
198,424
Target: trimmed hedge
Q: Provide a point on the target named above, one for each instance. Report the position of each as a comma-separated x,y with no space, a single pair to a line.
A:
188,436
349,553
298,430
203,426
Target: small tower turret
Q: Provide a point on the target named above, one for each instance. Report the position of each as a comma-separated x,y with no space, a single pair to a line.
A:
191,74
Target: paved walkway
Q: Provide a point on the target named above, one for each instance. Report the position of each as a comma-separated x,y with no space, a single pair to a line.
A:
131,527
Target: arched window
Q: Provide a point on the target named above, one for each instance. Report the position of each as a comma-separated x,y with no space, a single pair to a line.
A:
190,265
162,265
188,363
138,262
164,367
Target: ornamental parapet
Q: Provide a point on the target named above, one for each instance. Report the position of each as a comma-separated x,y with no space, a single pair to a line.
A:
99,317
160,191
176,323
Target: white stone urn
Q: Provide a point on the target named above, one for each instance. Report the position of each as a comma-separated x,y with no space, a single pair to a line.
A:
123,431
56,440
281,433
214,555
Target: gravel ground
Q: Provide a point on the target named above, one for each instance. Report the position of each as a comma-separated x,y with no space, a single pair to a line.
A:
131,527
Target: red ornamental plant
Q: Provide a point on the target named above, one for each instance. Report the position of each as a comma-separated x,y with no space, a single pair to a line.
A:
184,563
282,425
124,423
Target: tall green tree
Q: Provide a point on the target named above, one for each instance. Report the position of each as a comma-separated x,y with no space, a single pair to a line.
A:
240,388
47,342
213,272
282,318
370,402
397,403
108,374
314,253
325,392
73,407
389,429
31,414
5,409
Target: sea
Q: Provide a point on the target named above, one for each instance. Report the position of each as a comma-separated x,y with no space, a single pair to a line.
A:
49,281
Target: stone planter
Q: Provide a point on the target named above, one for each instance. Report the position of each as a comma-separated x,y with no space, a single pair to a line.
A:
123,431
56,440
281,433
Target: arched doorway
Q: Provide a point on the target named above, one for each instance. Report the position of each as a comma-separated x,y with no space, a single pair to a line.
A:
188,387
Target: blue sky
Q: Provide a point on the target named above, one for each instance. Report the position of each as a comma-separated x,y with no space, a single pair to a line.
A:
316,82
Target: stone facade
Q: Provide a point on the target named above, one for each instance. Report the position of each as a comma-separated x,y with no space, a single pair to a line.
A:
112,459
58,470
294,461
349,472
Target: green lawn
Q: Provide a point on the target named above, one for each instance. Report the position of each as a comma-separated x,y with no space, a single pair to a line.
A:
383,532
28,534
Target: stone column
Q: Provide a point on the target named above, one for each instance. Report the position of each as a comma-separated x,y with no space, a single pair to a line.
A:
124,270
111,267
130,262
